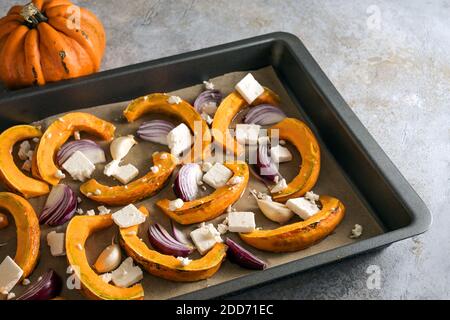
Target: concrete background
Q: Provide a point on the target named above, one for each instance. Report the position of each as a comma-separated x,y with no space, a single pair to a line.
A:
391,62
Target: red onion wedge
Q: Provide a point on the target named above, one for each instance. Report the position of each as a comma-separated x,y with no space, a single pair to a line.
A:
89,148
243,257
60,206
155,131
264,114
267,169
180,236
163,242
48,287
207,97
186,183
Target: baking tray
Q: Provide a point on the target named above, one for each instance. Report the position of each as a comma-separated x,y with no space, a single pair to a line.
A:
380,185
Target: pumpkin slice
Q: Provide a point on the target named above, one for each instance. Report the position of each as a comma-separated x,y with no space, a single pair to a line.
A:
158,103
136,190
28,232
299,235
213,205
169,267
59,132
78,231
301,136
227,110
12,176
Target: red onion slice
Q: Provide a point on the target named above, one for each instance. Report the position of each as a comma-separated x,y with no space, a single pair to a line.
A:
186,183
243,257
89,148
207,96
264,114
60,206
180,236
267,169
163,242
155,131
47,288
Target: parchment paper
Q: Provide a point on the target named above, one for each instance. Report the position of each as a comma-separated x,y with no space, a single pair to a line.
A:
332,181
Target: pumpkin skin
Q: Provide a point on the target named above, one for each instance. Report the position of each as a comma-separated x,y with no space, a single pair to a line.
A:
301,136
40,43
299,235
227,110
78,231
134,191
10,174
166,266
28,232
212,205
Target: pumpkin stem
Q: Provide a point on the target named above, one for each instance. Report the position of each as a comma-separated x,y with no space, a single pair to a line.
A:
32,15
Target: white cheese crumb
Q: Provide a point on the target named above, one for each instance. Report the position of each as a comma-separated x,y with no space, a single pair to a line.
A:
282,142
103,210
80,211
155,169
280,186
184,261
106,277
79,200
175,204
98,192
235,180
90,212
356,231
26,282
36,140
174,100
208,85
76,135
69,270
311,196
11,295
222,228
59,174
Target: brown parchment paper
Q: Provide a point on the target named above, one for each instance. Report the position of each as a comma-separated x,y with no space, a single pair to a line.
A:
332,181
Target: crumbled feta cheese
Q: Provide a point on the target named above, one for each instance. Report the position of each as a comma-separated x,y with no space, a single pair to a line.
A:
69,270
311,196
36,140
241,222
280,154
155,169
208,85
206,166
235,180
249,88
126,173
175,204
205,237
11,295
111,168
79,166
207,118
98,192
282,142
217,176
184,261
79,200
26,282
356,231
59,174
23,150
127,274
222,228
280,186
106,277
56,243
26,165
90,212
302,207
76,135
229,209
174,100
179,139
80,211
103,210
128,216
247,133
10,274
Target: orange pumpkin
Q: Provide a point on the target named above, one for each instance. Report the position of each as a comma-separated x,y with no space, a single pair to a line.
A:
47,41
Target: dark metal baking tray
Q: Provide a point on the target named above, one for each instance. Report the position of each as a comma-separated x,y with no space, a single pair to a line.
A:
395,204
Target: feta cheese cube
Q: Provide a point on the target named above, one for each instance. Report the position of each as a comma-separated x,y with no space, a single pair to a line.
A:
126,173
205,237
174,100
280,154
128,216
10,274
79,166
59,174
302,207
127,274
280,186
249,88
247,133
179,139
90,212
111,168
56,243
241,222
217,176
175,204
23,150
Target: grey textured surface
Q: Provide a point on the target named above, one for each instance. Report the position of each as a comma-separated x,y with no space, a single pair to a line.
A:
390,61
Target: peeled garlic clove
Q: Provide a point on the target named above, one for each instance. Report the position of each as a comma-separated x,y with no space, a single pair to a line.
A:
275,211
121,146
109,259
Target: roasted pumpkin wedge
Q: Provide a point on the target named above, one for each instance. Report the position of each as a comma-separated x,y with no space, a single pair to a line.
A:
213,205
158,103
78,231
10,174
299,235
169,267
58,133
137,190
301,136
28,232
227,110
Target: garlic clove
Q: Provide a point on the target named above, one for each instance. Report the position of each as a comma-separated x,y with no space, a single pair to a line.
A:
275,211
121,146
109,259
